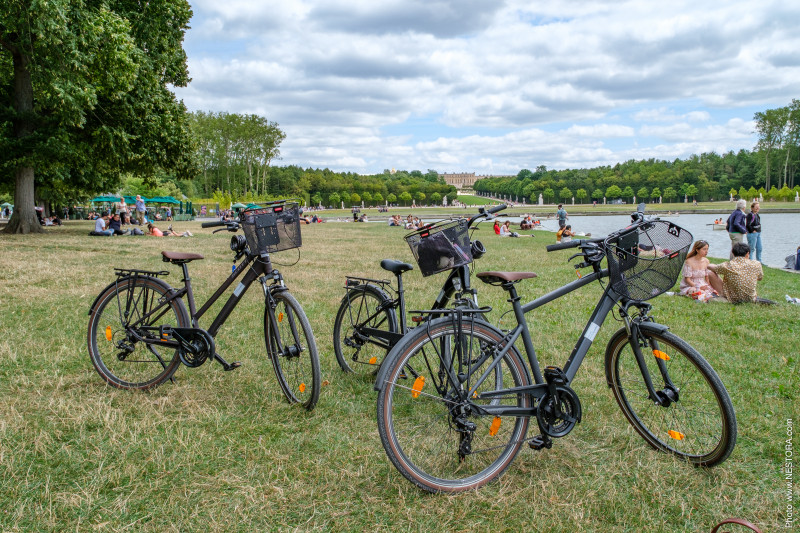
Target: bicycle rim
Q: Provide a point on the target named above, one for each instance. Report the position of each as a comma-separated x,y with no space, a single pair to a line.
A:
356,351
293,351
417,420
119,359
700,425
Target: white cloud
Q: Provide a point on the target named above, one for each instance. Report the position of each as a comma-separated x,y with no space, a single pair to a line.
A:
506,85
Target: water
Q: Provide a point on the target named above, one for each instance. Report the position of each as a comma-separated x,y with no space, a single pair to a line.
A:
780,232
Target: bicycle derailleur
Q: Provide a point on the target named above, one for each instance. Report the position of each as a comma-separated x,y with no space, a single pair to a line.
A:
558,410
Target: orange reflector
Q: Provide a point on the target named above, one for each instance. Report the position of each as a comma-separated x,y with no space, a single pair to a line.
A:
373,360
302,387
495,427
280,317
417,388
677,435
108,333
578,273
661,355
475,394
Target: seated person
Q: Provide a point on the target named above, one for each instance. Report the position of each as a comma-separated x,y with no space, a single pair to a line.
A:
115,225
155,232
564,234
527,223
505,231
697,280
100,226
739,275
496,227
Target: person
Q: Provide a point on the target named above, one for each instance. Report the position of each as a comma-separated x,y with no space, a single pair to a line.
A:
697,280
739,276
527,223
736,224
121,208
562,216
140,209
565,234
169,214
496,227
753,226
155,232
505,230
115,225
100,226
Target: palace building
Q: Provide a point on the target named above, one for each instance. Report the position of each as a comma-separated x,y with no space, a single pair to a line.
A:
464,180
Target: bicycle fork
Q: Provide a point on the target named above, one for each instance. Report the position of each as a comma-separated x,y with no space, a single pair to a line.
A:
670,393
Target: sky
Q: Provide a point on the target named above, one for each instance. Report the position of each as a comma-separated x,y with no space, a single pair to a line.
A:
492,86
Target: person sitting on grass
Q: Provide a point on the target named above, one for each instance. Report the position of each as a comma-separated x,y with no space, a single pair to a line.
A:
115,225
739,276
505,231
697,280
565,234
155,232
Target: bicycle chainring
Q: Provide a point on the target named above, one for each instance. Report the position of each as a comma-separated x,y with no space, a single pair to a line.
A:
557,418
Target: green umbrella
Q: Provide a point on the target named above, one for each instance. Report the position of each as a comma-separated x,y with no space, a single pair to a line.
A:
238,206
6,204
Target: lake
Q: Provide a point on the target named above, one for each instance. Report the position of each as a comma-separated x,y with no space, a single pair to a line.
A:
780,232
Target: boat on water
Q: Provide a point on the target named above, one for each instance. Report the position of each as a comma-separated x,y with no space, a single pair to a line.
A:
718,225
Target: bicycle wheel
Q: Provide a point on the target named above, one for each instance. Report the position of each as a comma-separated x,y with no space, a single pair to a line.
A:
433,431
699,423
363,309
118,357
293,351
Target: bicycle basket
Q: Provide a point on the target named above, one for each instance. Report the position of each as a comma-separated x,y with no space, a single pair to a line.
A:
272,229
441,247
646,260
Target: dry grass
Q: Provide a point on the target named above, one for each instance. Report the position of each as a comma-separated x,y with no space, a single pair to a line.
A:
223,451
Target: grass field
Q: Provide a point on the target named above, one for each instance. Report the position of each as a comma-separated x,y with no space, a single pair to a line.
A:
223,451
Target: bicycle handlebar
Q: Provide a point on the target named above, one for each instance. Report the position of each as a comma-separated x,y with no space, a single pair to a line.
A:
213,224
496,209
563,245
485,213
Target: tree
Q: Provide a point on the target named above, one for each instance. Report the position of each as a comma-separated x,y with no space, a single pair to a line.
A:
436,198
377,198
613,192
85,98
405,197
655,194
565,194
627,192
367,197
642,193
334,199
670,194
355,199
391,198
597,194
548,194
580,194
420,197
691,190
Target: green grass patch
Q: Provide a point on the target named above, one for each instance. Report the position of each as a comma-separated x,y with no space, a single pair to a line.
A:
223,451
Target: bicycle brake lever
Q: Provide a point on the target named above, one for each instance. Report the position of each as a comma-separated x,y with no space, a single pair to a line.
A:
579,254
218,230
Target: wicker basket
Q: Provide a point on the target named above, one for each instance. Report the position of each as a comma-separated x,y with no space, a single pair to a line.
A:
646,260
272,229
441,247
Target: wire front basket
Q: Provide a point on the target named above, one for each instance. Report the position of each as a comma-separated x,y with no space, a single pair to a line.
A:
441,247
272,229
646,260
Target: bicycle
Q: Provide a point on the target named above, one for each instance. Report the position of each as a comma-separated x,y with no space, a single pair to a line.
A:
140,332
366,325
456,397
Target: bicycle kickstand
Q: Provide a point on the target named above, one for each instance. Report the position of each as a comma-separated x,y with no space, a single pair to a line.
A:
226,366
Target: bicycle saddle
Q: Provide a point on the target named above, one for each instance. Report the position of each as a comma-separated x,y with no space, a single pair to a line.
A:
180,257
501,277
396,267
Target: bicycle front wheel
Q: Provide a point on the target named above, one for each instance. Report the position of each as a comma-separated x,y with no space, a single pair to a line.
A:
435,433
292,350
115,321
697,422
357,341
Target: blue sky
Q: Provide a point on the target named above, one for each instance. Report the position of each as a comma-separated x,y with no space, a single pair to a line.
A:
492,86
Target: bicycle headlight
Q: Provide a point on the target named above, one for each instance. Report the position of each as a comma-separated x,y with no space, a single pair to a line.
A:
477,249
238,242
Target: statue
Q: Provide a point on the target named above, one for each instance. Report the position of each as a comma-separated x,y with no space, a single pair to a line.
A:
444,200
541,200
797,196
573,200
604,200
634,200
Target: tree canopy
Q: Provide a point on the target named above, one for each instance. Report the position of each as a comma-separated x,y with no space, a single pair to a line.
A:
84,97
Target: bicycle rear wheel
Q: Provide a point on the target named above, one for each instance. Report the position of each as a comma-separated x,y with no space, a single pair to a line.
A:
699,423
437,438
359,349
292,350
118,357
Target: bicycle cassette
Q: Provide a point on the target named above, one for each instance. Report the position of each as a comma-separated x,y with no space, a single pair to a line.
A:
557,418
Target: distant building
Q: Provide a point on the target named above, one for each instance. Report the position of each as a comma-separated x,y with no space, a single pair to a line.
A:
464,180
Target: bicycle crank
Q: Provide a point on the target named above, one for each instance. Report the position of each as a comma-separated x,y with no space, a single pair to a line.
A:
559,409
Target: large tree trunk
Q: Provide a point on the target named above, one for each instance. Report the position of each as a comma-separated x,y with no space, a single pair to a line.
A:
24,218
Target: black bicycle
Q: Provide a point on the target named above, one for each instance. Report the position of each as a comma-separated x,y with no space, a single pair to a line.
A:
455,395
140,332
370,322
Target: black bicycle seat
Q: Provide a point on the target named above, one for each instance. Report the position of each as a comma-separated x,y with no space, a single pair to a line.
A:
396,267
502,277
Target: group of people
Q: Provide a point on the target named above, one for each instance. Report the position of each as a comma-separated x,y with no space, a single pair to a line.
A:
109,225
741,226
411,222
734,281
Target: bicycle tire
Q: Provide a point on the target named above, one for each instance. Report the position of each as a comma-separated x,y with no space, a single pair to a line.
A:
119,359
700,426
293,351
355,351
419,433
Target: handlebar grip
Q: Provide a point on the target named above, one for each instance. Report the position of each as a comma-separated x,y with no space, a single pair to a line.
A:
496,209
563,245
213,224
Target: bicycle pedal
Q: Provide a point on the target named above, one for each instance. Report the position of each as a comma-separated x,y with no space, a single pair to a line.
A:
539,442
226,366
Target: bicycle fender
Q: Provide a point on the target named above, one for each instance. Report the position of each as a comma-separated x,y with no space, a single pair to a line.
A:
654,327
364,288
125,279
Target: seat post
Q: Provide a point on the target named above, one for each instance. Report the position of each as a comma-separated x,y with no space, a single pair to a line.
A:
187,283
401,297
